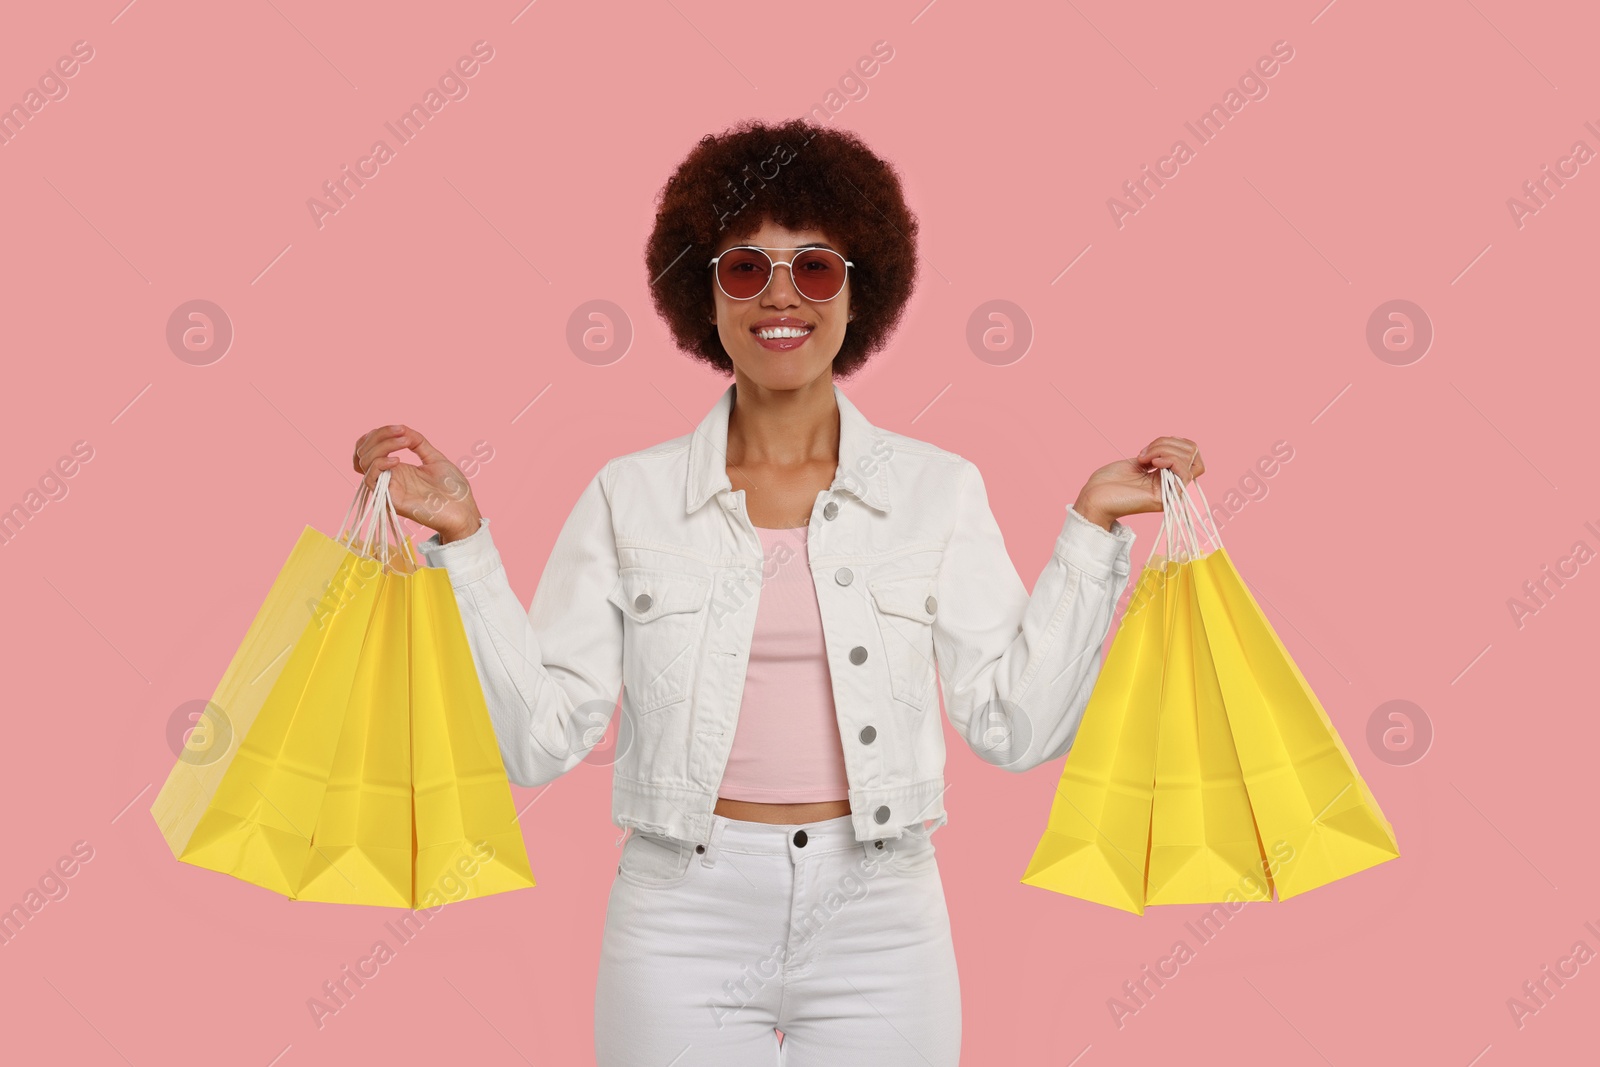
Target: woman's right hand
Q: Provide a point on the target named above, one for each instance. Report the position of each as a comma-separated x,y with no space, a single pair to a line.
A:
434,494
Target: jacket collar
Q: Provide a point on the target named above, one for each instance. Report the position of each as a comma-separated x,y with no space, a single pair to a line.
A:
862,470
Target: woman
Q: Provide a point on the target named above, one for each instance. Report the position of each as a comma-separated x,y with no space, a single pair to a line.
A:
771,594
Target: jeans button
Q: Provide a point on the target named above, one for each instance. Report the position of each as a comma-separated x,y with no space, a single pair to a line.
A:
699,848
882,814
858,655
843,576
642,602
868,733
800,838
830,510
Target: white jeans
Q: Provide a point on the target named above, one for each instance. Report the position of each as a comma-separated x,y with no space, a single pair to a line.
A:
842,945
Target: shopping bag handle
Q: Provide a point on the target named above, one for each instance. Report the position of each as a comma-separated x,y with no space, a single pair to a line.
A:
386,524
1184,538
358,506
374,509
361,508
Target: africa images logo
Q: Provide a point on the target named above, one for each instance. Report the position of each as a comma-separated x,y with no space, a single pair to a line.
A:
452,85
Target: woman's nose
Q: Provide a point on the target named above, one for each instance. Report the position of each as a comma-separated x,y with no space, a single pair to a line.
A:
781,289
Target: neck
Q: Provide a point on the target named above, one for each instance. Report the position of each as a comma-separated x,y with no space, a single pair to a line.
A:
784,427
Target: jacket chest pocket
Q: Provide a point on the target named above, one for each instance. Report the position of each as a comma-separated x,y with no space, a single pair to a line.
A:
905,609
665,624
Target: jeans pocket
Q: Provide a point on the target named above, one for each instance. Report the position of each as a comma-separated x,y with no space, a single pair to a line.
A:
912,853
651,861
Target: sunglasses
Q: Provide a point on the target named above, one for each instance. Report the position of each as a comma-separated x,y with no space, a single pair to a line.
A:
744,272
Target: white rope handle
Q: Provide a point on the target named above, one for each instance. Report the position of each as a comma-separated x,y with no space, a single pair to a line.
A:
1206,529
358,506
1170,537
1183,538
400,535
1205,512
392,527
1185,520
376,522
1167,534
375,508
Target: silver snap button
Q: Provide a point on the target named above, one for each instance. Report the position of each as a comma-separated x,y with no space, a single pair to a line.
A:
642,602
882,814
868,733
843,576
830,510
931,604
858,655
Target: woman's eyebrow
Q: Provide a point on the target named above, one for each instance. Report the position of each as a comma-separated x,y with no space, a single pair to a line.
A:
809,244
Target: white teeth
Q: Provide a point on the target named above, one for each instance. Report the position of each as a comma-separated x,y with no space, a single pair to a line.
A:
773,333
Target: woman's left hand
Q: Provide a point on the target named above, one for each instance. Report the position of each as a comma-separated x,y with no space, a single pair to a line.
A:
1131,486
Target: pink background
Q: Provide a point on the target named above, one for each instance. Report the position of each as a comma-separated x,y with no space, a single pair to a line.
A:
1232,308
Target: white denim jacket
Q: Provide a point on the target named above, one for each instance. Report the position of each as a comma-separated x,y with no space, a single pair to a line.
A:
651,592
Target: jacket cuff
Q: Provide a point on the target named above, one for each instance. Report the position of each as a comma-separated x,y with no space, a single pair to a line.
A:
1094,549
467,560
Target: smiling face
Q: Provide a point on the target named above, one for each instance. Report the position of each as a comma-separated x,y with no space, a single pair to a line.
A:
781,340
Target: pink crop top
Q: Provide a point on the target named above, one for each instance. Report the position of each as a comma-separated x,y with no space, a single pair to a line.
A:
786,749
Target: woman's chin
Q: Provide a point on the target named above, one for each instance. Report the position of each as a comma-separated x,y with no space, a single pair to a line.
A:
782,370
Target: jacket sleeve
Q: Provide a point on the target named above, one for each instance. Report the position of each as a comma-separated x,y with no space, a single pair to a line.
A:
1016,670
552,674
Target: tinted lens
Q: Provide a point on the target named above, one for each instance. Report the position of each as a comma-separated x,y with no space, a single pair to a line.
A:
818,273
743,272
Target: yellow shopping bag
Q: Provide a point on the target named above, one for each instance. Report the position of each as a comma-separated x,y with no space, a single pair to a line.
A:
292,603
468,841
1244,784
1203,843
318,800
258,824
361,844
1097,839
1313,810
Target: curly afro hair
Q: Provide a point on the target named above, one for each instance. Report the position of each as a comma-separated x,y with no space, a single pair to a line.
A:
800,176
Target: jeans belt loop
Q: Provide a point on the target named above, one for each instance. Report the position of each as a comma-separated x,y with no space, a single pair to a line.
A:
714,845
